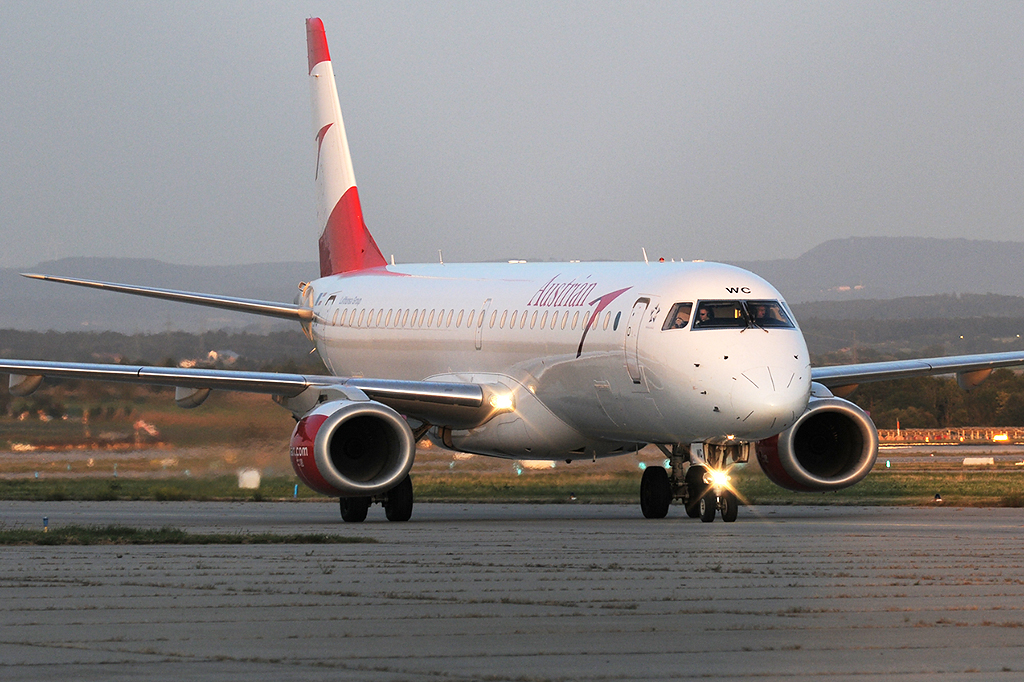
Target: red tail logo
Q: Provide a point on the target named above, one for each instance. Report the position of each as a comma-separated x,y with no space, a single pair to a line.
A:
346,244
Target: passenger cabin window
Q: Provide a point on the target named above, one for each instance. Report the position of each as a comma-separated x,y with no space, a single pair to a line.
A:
741,314
678,316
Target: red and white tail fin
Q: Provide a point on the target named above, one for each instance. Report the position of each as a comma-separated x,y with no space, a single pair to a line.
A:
345,245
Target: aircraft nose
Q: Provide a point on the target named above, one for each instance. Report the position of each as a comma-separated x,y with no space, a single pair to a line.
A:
768,399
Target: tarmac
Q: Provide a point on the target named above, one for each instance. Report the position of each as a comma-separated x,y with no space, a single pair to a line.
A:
520,592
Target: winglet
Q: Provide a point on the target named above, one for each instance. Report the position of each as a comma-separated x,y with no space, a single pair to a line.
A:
345,244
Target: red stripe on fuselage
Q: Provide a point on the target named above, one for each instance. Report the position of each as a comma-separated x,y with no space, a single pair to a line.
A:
316,43
602,303
346,245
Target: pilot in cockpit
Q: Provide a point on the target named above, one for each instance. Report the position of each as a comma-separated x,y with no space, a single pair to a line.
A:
678,317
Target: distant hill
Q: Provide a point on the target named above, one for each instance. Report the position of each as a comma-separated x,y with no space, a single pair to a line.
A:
893,267
955,274
942,306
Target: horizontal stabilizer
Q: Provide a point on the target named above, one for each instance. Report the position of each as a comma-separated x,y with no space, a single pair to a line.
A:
287,311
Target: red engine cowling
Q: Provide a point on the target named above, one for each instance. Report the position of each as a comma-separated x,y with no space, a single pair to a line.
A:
352,449
832,445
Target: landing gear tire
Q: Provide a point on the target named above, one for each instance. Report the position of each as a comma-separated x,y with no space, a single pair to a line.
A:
708,507
398,505
729,506
353,509
695,489
655,493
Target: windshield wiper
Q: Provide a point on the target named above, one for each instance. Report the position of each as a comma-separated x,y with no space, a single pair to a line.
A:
751,322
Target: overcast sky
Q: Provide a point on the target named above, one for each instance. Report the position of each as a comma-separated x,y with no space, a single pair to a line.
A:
729,131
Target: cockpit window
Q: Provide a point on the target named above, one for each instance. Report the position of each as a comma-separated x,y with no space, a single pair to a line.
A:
719,315
678,316
740,315
768,314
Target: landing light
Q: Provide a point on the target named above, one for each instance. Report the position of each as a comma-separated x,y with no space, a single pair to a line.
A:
719,479
503,402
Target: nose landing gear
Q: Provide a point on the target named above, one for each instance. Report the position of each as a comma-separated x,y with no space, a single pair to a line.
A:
697,482
712,502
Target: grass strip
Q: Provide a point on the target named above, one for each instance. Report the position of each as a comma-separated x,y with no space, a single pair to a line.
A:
918,485
999,487
210,488
124,535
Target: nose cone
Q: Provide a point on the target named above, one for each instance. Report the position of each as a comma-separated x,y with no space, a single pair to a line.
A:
768,398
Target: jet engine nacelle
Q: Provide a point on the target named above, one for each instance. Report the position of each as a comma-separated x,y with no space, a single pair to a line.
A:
832,445
352,448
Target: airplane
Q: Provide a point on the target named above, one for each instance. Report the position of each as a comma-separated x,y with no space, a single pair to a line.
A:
533,361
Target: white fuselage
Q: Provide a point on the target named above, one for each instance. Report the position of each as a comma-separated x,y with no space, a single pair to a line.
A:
522,325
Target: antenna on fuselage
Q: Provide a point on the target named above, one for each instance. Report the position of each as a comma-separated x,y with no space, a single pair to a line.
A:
645,255
440,257
392,259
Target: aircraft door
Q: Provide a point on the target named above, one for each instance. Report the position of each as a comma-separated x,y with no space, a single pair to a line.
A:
636,320
480,324
306,299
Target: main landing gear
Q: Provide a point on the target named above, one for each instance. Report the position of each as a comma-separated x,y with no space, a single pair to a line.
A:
397,504
698,483
655,493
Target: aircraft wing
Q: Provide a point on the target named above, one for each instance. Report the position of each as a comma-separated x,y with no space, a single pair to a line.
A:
243,305
974,367
460,405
